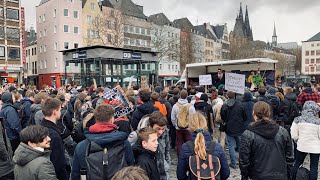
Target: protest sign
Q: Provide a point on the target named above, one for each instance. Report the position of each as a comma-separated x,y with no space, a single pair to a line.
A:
205,80
235,82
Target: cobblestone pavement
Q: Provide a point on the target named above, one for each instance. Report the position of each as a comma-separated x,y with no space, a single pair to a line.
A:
234,173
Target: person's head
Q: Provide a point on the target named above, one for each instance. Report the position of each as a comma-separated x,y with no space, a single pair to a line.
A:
38,98
148,139
164,95
306,85
311,106
22,86
287,90
272,91
144,95
17,96
252,73
262,91
219,71
7,97
30,95
51,108
158,122
202,89
100,91
135,87
83,90
212,89
104,113
12,88
176,91
198,124
262,112
155,96
35,136
183,94
204,97
231,95
131,173
193,92
62,98
280,96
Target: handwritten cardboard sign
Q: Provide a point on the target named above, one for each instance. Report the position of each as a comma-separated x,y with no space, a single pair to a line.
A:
235,82
205,80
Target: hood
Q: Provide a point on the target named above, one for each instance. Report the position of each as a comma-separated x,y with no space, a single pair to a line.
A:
200,105
35,107
105,138
82,96
291,97
264,129
230,102
146,108
183,101
308,90
138,150
24,154
247,96
26,100
272,91
310,107
7,98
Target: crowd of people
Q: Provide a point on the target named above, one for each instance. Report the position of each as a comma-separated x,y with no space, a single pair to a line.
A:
73,133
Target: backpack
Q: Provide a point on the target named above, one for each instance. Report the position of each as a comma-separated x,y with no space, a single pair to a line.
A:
204,169
294,111
303,174
103,162
133,136
32,120
183,115
22,115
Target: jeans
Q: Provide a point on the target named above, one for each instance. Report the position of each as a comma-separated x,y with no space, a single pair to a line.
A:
299,159
182,137
233,143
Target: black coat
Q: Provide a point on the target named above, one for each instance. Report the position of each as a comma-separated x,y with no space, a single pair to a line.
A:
142,110
57,156
266,152
234,115
147,161
65,123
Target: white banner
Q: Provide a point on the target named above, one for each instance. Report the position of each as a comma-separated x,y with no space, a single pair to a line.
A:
235,82
205,80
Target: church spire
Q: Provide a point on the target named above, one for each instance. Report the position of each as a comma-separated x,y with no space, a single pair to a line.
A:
274,29
274,36
240,13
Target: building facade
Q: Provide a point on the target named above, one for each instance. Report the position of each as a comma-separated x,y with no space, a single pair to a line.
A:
58,28
32,58
10,41
310,63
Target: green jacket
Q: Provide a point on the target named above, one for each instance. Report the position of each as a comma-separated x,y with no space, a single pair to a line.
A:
6,163
32,164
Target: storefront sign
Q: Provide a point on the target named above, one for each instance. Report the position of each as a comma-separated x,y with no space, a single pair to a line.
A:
79,55
132,55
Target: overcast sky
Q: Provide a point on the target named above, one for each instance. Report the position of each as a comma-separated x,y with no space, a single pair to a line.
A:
296,20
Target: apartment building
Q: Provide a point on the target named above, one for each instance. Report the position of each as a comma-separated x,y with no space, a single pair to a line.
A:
310,63
31,57
10,41
58,28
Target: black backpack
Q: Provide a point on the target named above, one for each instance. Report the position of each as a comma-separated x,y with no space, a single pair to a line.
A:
302,174
104,162
204,169
32,120
22,115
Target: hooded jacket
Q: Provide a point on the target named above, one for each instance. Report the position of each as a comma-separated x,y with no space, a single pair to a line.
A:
142,110
10,116
183,159
36,114
101,138
78,106
234,115
266,152
147,160
6,163
27,112
305,129
175,111
168,107
32,164
247,103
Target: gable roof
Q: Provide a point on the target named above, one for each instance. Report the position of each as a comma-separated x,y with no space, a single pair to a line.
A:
43,2
314,38
128,8
159,19
219,30
183,23
205,32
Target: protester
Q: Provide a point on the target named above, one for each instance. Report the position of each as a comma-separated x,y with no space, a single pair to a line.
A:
155,98
305,132
51,108
247,103
204,107
6,163
98,99
78,105
307,95
266,148
145,152
201,140
131,173
32,158
36,113
26,107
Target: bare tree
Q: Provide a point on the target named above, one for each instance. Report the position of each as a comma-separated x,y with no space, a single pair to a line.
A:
106,29
298,53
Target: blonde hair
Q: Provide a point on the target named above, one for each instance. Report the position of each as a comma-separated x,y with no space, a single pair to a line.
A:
198,122
131,173
288,90
280,96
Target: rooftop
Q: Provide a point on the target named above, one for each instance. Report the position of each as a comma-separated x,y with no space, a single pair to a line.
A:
314,38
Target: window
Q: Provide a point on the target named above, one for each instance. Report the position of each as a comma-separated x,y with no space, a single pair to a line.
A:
109,24
44,32
1,12
143,31
66,12
125,28
307,53
70,1
169,66
318,44
109,37
88,19
1,32
44,18
312,61
12,14
76,30
137,30
318,61
307,61
45,64
148,31
132,66
138,42
176,66
40,49
75,45
312,53
76,14
55,13
132,41
2,51
41,64
55,29
66,28
40,19
66,45
160,66
13,34
112,13
55,46
148,67
131,29
312,45
40,34
143,66
317,52
172,67
312,69
92,6
56,62
13,53
35,51
126,41
45,48
116,37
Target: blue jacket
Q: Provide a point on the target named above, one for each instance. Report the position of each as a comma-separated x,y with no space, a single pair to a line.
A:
142,110
101,139
247,104
185,153
11,119
27,110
